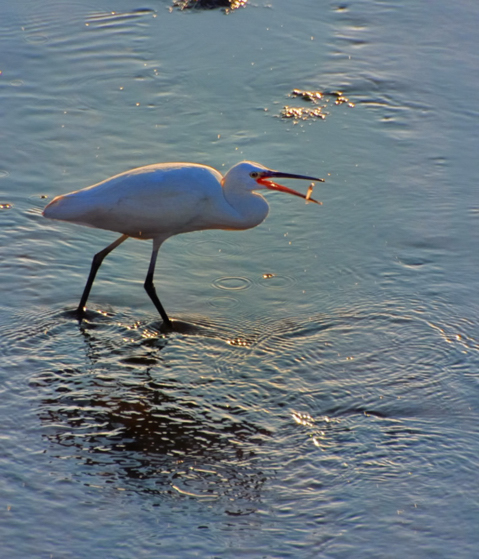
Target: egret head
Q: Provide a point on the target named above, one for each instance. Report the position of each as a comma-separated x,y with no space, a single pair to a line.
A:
253,176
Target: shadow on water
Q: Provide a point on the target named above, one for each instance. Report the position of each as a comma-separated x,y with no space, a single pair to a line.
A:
90,318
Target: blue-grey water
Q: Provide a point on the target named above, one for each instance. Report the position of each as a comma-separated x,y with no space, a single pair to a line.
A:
324,401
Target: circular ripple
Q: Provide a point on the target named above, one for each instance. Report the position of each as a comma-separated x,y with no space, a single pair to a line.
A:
274,281
36,39
232,283
3,173
223,302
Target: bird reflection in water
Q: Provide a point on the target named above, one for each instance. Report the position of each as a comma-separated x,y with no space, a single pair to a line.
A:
138,425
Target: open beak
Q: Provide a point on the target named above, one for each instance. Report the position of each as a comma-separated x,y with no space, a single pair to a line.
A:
265,177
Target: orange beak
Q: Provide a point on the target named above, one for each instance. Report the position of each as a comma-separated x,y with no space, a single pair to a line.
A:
266,175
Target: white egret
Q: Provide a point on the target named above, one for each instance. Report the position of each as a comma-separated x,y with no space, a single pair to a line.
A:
159,201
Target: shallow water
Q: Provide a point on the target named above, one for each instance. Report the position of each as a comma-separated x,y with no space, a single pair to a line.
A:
319,397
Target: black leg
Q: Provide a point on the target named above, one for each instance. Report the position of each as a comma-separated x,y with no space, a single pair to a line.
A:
150,288
96,263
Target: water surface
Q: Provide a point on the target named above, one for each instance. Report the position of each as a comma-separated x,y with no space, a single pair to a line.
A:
319,398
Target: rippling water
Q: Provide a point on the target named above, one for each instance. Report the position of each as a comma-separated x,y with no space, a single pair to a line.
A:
319,397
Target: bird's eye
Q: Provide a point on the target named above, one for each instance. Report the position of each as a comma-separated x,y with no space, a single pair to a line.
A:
254,175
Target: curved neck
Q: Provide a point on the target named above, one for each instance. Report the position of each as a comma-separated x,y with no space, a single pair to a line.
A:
250,208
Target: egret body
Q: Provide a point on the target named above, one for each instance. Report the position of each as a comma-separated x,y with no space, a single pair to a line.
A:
159,201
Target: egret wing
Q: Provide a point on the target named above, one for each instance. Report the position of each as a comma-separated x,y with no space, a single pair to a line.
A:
146,202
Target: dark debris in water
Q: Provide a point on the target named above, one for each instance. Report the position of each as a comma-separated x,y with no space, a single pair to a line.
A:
226,5
322,101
